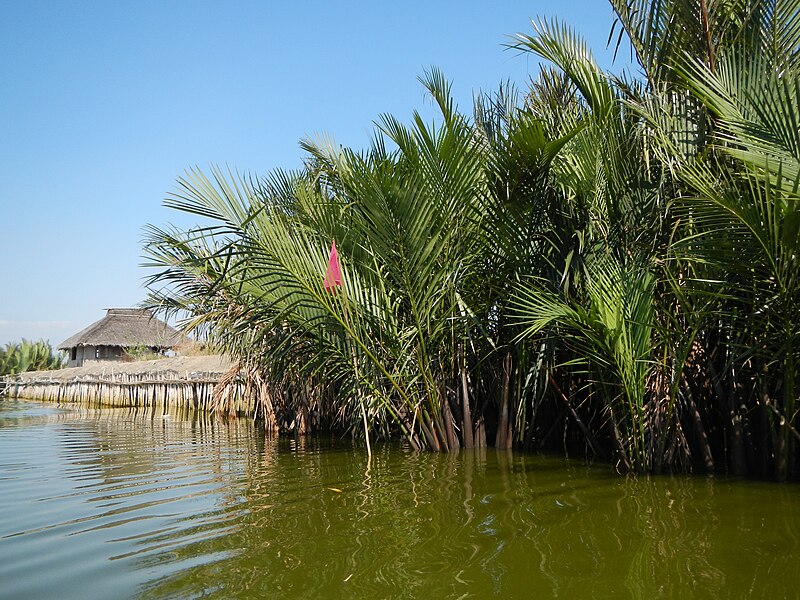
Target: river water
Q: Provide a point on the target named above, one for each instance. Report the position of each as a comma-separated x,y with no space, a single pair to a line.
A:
118,504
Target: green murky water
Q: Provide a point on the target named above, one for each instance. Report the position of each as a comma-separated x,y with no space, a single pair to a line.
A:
115,504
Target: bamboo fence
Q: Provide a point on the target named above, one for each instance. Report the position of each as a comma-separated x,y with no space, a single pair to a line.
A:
170,390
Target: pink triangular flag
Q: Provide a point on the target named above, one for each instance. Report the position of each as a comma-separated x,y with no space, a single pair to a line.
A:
333,276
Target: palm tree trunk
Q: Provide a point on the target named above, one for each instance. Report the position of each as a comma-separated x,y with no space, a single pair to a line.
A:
735,431
502,438
590,439
786,440
466,416
699,429
428,432
480,432
622,455
452,438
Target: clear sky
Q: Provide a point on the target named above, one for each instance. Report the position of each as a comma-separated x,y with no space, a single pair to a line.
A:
103,104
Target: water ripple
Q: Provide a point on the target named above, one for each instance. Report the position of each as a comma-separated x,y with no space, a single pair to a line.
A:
119,504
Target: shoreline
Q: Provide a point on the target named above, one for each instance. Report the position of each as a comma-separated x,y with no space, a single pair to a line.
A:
184,382
177,366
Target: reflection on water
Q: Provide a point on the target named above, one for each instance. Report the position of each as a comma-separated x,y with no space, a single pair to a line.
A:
118,504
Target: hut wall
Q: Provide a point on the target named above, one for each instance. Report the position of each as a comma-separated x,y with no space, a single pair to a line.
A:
86,354
79,355
109,352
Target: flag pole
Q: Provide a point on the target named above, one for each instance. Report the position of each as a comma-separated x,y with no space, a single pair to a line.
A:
333,280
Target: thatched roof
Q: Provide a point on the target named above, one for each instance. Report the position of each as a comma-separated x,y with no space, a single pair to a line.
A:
126,327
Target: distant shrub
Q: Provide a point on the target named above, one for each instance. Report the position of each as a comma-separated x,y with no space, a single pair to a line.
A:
136,353
24,356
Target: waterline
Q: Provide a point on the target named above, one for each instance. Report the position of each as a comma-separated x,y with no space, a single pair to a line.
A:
117,504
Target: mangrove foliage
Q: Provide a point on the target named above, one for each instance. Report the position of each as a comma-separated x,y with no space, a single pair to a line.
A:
601,263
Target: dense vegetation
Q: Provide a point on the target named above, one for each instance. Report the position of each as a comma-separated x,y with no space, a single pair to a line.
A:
24,356
603,264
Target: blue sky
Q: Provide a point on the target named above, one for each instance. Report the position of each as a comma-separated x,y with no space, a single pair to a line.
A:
104,104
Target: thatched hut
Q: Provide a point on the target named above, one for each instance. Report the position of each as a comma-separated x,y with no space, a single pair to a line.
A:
120,332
